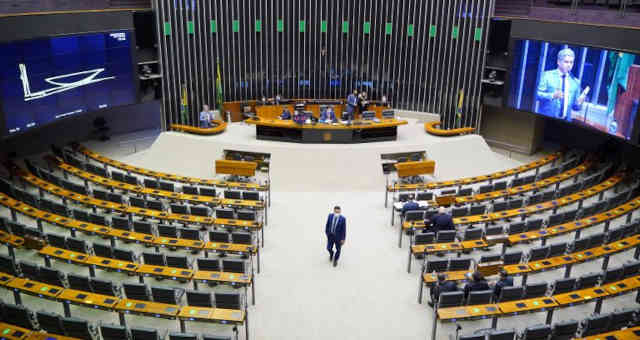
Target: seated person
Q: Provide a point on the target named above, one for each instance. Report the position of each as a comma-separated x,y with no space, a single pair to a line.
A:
504,281
442,221
411,204
328,116
299,117
478,282
205,117
285,115
442,286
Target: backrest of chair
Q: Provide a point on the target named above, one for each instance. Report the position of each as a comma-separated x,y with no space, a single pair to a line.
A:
207,191
190,190
414,215
512,257
458,212
501,185
241,237
136,291
246,215
224,213
459,264
208,264
477,210
232,194
199,298
557,249
423,238
490,258
472,234
502,335
141,333
580,244
228,300
485,188
178,209
199,210
596,324
57,241
176,261
538,253
103,287
612,274
234,265
465,192
115,198
424,196
77,245
444,236
100,194
570,215
167,230
150,183
535,198
564,329
450,299
189,234
437,266
516,203
251,195
537,332
164,295
631,269
7,265
29,270
50,322
167,186
79,282
102,250
120,223
500,206
76,328
562,286
596,240
137,202
97,219
534,290
555,219
587,280
516,228
622,318
510,294
155,205
51,276
480,297
494,230
113,332
19,315
154,259
219,236
143,227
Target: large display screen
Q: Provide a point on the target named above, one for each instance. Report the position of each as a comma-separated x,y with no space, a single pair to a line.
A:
583,85
48,79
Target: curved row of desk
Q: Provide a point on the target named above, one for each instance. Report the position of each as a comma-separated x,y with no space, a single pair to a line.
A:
73,225
535,165
217,127
167,176
433,129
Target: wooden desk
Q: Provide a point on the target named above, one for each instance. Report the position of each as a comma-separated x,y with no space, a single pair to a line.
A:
217,127
64,254
179,274
110,264
477,179
148,308
407,169
580,296
475,312
457,276
35,288
207,314
232,279
432,128
170,242
88,299
539,304
357,132
623,334
12,332
166,176
5,279
239,168
48,336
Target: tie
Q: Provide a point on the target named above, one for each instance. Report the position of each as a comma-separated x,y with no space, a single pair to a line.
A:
564,95
335,222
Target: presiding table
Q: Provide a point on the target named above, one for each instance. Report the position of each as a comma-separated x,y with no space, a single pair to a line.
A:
360,131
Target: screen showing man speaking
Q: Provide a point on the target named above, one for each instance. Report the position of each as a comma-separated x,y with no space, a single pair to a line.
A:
582,85
44,80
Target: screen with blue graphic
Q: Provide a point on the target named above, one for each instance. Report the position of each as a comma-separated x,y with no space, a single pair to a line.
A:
589,86
44,80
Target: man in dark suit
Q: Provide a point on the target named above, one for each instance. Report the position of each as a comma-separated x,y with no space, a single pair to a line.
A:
442,286
504,281
336,230
442,221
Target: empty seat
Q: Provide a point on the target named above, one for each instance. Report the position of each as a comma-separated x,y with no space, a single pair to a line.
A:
141,333
241,237
76,245
485,188
117,176
205,191
20,316
423,238
199,298
7,265
100,194
191,190
500,206
219,236
137,202
612,275
579,245
246,215
477,210
414,215
212,265
534,290
459,264
465,192
490,258
501,185
501,335
480,297
458,212
224,213
516,228
97,219
588,280
595,324
510,294
450,299
51,276
142,227
167,230
101,250
115,198
232,194
113,332
167,186
177,261
437,266
562,286
182,336
178,209
557,249
471,234
555,219
50,322
81,215
155,205
234,266
512,257
538,253
516,203
424,196
251,195
596,240
76,328
120,223
136,291
29,270
56,241
151,183
200,210
446,236
631,269
103,287
79,282
166,295
494,230
621,318
189,234
123,254
228,300
537,332
154,259
535,199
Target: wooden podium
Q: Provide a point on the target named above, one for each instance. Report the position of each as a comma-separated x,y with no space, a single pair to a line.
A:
238,168
406,169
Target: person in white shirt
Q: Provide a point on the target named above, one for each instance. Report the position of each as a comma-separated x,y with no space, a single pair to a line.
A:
206,116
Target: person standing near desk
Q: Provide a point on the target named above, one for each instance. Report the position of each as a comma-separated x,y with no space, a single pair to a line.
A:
352,103
336,230
206,116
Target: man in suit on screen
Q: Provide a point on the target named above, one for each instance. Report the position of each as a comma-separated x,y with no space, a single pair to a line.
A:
558,90
336,230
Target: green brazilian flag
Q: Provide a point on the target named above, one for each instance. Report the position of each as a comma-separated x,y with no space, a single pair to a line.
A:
219,90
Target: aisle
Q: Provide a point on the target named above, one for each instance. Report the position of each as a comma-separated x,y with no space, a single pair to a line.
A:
301,295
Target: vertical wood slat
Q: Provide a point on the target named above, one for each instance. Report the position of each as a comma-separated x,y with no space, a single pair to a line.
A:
418,72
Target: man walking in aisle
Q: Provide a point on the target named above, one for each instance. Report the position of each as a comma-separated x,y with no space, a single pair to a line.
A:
336,230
